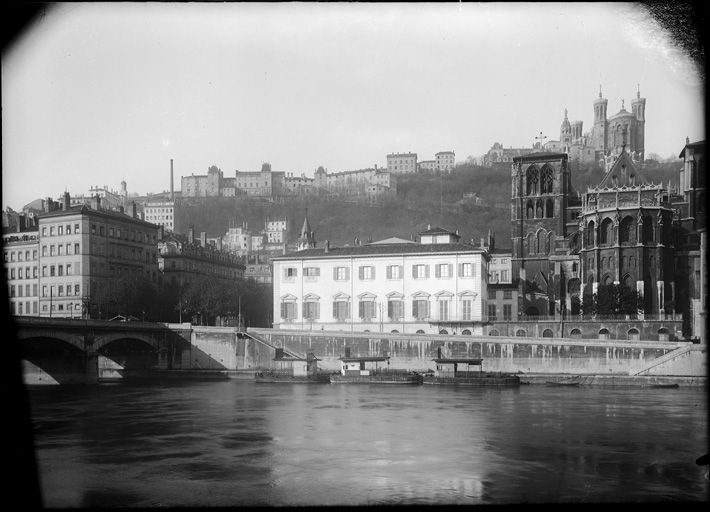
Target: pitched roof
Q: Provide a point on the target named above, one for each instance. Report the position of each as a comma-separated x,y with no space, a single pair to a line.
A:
381,250
623,161
693,145
392,240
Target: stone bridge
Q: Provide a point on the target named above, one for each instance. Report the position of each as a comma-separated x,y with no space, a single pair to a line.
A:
62,350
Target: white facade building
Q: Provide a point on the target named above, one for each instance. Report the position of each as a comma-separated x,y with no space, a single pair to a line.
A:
445,161
399,163
389,286
161,213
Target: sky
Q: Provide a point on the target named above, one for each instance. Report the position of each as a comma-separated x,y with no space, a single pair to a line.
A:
97,93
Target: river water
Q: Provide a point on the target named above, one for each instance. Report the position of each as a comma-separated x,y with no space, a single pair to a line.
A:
240,443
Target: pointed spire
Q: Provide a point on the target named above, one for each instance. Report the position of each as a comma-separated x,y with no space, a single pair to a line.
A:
622,103
638,90
600,90
565,113
306,229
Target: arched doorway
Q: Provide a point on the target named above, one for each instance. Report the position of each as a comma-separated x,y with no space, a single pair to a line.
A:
394,331
663,334
420,332
603,333
493,332
575,333
633,334
466,331
547,333
443,331
521,333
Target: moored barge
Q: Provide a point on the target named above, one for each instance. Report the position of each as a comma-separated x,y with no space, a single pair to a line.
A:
354,370
448,373
294,370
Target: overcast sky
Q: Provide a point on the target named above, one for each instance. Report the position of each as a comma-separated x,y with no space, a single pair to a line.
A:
96,93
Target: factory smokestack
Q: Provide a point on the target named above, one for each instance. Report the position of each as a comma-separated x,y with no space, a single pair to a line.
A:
172,193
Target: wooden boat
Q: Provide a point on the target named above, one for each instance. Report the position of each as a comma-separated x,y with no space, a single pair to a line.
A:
354,370
294,370
444,375
567,382
669,386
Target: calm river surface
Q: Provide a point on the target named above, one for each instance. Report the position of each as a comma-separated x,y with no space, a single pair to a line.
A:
241,443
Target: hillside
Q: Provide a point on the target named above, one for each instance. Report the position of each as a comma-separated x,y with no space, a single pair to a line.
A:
421,200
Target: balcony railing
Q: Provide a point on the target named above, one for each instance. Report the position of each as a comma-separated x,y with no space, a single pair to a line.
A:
590,318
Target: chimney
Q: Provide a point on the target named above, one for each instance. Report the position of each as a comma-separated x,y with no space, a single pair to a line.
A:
96,202
172,192
327,246
20,223
47,205
219,243
67,201
191,235
133,210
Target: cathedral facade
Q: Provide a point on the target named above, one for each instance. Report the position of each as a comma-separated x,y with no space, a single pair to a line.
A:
625,231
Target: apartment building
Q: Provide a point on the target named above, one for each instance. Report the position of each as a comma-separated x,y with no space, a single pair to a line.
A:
21,253
400,163
436,285
445,161
82,248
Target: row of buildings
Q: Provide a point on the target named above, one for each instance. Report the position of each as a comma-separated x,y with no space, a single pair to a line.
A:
406,163
369,185
625,231
60,262
602,144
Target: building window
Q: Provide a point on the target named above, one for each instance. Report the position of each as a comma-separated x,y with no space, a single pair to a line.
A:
76,248
52,271
394,272
507,312
288,310
311,310
341,273
76,228
443,270
507,294
466,270
366,273
51,250
443,310
466,308
60,270
51,230
290,273
420,309
93,229
311,271
366,310
76,289
341,310
491,311
504,275
491,294
395,309
420,271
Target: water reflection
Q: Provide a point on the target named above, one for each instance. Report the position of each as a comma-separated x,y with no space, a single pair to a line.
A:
237,443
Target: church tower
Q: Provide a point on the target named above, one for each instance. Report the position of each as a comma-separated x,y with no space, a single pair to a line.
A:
307,240
638,109
565,133
600,123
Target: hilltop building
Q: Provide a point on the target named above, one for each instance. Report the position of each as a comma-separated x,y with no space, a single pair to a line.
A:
609,137
445,161
402,163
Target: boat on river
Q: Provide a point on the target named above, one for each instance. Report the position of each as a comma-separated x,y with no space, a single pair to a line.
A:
294,370
448,373
359,370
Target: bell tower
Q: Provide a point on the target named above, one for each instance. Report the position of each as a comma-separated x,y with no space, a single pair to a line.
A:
599,140
638,109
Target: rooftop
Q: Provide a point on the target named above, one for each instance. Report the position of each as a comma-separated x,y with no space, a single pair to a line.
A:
381,250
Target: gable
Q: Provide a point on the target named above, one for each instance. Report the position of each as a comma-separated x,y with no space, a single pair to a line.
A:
623,172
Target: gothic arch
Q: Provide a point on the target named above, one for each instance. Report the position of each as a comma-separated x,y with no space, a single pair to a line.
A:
627,230
590,233
531,243
606,235
549,208
647,229
540,241
531,180
546,180
529,210
539,211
